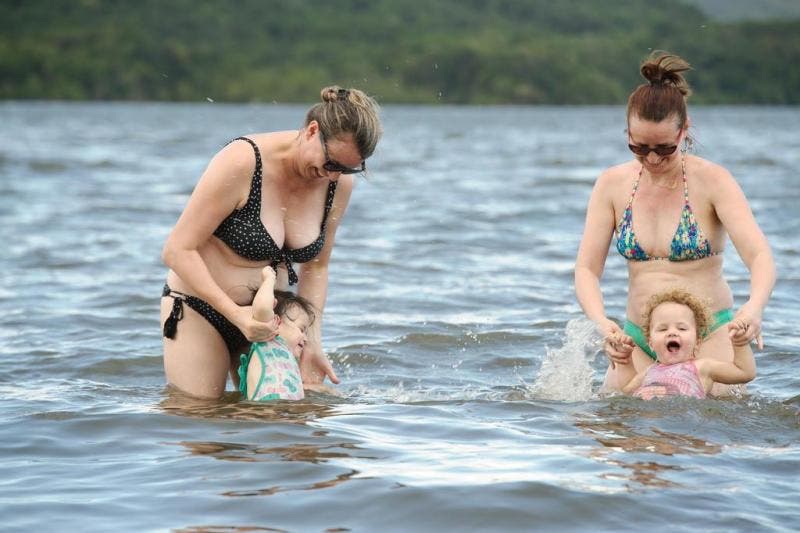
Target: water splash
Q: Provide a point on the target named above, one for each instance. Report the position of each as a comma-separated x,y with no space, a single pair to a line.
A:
566,373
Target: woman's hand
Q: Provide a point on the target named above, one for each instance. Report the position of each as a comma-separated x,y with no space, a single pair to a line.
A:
746,327
315,365
617,345
252,329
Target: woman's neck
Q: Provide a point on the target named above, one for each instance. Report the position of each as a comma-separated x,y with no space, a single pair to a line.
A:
669,178
287,156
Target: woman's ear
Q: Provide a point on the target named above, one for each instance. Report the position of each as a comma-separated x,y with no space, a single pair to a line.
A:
311,129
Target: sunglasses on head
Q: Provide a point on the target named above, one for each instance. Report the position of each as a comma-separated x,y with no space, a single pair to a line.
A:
660,149
333,166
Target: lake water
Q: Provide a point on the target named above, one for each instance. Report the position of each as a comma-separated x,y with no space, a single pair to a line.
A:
470,378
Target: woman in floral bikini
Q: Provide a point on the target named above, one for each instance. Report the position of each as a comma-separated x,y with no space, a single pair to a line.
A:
672,213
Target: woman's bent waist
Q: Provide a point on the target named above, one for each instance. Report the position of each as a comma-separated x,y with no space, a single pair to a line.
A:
712,290
240,289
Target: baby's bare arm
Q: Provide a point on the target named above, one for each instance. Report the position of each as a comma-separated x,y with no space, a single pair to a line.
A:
741,370
634,383
264,300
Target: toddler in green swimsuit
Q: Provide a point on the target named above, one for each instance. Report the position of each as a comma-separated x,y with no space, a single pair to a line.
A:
270,371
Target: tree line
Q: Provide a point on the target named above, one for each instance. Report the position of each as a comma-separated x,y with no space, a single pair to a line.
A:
402,51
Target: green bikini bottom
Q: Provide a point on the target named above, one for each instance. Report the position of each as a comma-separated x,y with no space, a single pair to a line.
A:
720,318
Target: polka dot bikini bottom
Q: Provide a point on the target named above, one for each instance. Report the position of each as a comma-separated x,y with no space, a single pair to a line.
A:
233,337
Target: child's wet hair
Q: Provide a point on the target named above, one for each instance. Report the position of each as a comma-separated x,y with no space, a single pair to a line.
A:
287,300
702,315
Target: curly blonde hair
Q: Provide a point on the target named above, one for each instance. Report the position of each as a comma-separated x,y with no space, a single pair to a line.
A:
700,310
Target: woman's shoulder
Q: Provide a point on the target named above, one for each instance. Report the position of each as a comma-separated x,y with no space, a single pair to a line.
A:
243,145
266,138
345,184
706,171
621,170
617,176
237,155
712,180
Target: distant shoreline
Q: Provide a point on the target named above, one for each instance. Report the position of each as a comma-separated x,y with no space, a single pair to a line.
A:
415,52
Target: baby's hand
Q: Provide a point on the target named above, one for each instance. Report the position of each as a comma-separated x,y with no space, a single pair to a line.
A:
746,327
736,327
741,333
267,274
619,348
617,345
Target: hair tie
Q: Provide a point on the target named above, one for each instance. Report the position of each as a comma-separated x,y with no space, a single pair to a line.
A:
342,94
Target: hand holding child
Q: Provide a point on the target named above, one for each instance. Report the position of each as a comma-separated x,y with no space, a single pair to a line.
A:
746,328
617,345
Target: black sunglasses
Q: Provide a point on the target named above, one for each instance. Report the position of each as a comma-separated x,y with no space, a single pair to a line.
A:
660,150
332,166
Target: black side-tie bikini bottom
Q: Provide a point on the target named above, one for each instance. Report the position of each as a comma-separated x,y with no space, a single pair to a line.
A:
233,337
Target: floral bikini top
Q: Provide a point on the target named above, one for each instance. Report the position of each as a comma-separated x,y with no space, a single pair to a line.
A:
688,244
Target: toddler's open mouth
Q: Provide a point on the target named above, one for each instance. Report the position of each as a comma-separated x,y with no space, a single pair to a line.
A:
673,346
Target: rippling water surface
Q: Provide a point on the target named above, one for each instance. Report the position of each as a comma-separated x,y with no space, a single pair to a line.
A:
469,396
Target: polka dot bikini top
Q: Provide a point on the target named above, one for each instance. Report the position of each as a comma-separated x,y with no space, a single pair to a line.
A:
246,235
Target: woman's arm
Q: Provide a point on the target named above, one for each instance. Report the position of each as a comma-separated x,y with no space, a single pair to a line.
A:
589,266
737,218
223,186
313,286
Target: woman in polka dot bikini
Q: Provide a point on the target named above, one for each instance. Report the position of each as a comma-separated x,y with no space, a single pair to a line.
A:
265,199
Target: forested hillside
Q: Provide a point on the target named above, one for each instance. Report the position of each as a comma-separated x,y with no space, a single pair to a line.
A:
448,51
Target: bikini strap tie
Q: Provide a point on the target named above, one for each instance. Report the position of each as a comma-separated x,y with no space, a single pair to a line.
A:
293,279
175,315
